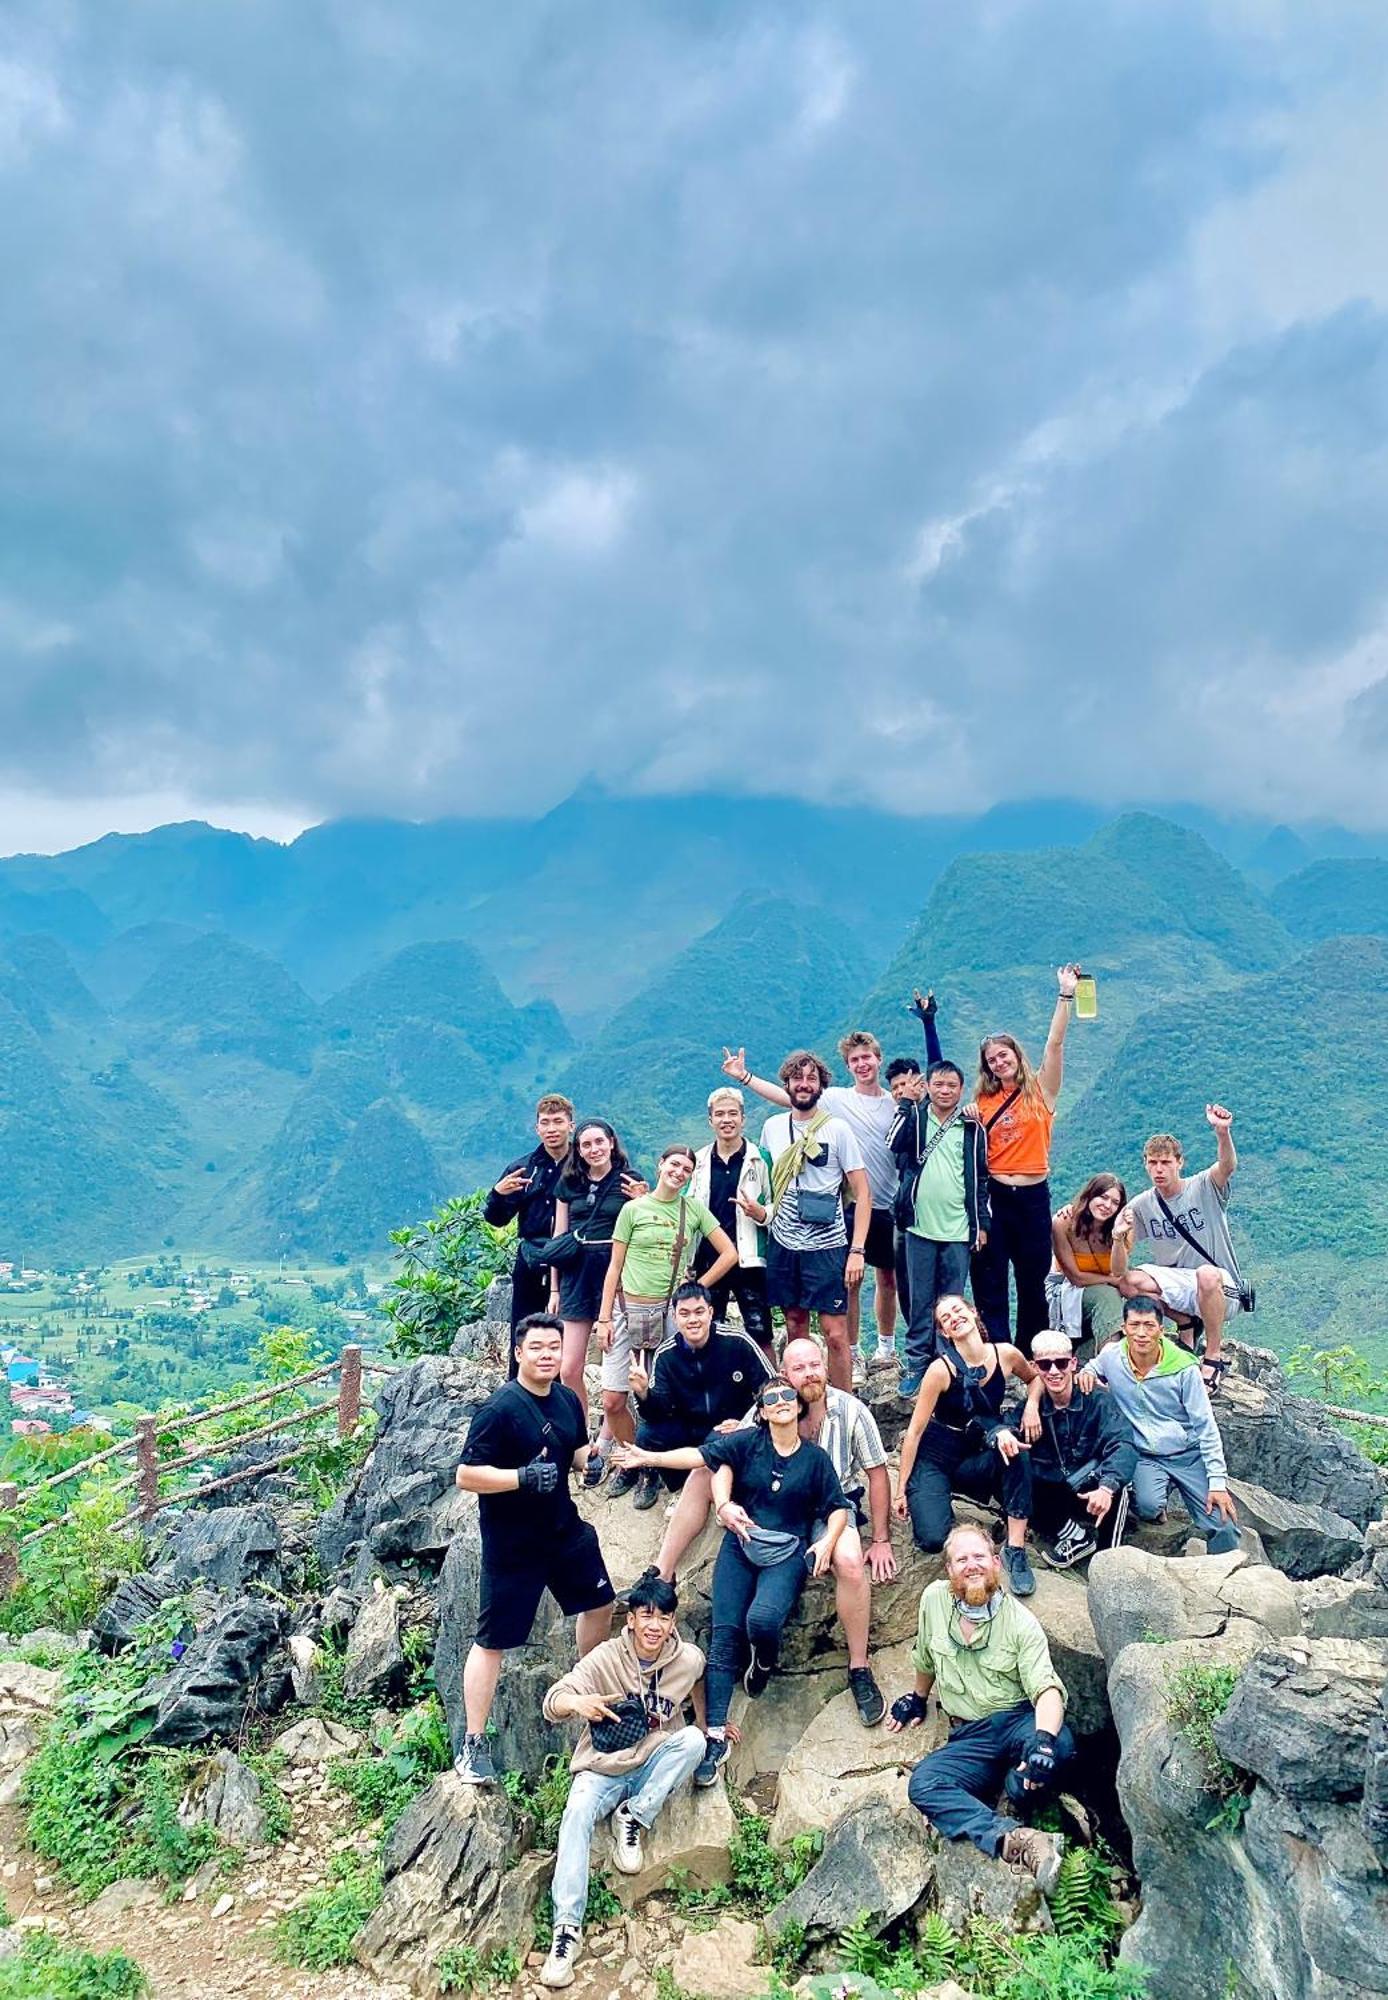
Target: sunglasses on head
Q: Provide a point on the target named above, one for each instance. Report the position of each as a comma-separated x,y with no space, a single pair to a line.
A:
1053,1363
774,1396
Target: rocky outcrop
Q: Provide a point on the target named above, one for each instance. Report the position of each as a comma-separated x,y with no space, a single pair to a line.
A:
1291,1448
1289,1893
228,1550
1300,1540
876,1865
375,1662
222,1677
457,1871
227,1797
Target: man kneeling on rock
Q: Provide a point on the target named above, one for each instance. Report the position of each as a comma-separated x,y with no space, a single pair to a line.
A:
987,1658
634,1749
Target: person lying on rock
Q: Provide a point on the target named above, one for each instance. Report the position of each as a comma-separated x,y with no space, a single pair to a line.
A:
1156,1384
845,1427
958,1442
522,1445
1082,1458
700,1380
783,1509
987,1660
633,1751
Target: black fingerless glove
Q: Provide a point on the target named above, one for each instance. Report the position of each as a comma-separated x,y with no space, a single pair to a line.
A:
908,1708
1041,1758
540,1476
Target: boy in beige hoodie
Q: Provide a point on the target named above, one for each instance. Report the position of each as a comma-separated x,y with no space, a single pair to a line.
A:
642,1677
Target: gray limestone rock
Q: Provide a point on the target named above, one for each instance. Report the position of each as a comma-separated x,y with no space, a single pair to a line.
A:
1300,1716
877,1864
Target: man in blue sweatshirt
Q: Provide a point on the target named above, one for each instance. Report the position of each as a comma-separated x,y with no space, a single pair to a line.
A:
1156,1384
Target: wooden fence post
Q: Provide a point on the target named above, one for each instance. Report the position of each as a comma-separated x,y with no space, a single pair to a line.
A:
147,1466
9,1545
349,1392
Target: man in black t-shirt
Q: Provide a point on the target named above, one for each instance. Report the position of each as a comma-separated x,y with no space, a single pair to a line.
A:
521,1447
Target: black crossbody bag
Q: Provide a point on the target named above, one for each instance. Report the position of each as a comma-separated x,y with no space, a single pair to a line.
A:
1247,1293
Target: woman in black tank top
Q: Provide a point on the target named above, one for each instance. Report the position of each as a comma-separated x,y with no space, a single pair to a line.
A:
958,1442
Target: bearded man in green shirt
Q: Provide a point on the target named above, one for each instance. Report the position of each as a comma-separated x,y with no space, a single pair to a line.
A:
986,1657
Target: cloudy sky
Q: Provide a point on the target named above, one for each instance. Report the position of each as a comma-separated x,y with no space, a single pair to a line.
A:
416,406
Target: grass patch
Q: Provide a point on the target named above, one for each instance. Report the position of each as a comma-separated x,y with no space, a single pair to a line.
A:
48,1969
1196,1697
464,1969
322,1931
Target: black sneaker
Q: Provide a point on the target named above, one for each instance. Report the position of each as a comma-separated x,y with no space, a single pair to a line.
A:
1019,1572
872,1703
756,1677
622,1481
473,1762
647,1491
716,1749
595,1471
1071,1545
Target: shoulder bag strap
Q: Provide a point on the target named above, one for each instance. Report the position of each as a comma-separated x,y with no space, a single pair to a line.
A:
1183,1232
679,1248
1006,1105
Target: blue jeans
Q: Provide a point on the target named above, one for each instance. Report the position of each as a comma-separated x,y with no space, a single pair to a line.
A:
750,1606
934,1269
592,1797
1185,1470
950,1785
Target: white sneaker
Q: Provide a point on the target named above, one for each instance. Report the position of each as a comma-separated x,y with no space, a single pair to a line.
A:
626,1841
883,1359
558,1968
859,1376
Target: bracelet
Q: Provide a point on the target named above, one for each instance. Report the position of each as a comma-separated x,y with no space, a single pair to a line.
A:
880,1542
746,1076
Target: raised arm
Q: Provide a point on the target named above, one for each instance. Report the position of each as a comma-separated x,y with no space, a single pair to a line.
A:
735,1066
1226,1159
1051,1074
925,1008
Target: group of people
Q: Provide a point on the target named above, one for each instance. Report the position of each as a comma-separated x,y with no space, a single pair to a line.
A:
935,1195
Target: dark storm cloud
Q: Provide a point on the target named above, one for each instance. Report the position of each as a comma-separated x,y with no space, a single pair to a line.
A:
415,409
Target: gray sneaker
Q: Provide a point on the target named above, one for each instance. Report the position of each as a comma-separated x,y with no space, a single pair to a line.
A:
473,1762
1019,1572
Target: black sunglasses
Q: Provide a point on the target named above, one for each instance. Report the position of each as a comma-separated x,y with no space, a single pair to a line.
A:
779,1396
1054,1363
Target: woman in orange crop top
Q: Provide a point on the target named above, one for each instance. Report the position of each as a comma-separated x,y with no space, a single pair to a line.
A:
1082,1239
1016,1108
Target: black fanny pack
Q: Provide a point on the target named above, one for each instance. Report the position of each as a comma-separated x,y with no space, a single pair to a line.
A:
625,1732
817,1206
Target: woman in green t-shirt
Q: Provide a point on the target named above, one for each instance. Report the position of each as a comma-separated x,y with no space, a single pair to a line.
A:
653,1244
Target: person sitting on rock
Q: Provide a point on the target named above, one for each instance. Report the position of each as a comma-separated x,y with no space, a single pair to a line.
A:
783,1509
958,1442
633,1751
701,1380
1156,1384
987,1659
1082,1458
1082,1272
521,1446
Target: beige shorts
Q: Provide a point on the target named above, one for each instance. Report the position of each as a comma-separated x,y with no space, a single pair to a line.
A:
637,1326
1178,1289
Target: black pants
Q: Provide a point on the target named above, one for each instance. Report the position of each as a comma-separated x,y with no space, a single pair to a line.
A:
529,1294
950,1462
746,1284
936,1269
1019,1237
1054,1502
751,1606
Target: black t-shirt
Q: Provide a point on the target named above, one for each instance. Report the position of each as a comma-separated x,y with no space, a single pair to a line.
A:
723,1177
790,1492
593,1205
510,1429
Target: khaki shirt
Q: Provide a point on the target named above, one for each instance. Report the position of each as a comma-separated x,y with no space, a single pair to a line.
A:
1006,1662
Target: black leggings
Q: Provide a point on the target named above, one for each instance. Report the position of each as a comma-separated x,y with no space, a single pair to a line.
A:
750,1606
1019,1235
950,1462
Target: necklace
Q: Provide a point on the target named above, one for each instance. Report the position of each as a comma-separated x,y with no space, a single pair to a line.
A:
776,1473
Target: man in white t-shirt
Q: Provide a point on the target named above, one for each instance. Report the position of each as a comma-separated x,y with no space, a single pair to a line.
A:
869,1112
811,1264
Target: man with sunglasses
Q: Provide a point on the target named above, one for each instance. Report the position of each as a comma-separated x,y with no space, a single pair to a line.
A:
1082,1458
987,1660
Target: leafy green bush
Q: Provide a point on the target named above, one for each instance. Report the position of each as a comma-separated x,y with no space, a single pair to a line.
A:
322,1931
65,1578
403,1759
763,1874
47,1969
1196,1697
446,1265
543,1800
464,1969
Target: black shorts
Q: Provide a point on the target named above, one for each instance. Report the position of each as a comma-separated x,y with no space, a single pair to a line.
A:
879,1252
573,1572
810,1280
581,1283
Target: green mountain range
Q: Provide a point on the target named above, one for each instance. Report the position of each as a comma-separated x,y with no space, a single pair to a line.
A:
177,1061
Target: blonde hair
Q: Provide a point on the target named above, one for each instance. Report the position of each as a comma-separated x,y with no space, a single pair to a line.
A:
859,1039
957,1534
1163,1142
725,1094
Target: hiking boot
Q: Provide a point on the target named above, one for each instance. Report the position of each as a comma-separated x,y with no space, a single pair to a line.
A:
558,1968
756,1677
647,1491
1019,1571
716,1749
595,1471
1071,1545
872,1703
859,1375
1039,1853
622,1481
626,1841
473,1762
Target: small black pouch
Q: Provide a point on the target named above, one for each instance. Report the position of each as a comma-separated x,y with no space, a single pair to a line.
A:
626,1732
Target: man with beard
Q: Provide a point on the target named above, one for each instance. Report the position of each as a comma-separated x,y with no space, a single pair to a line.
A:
986,1657
844,1427
813,1156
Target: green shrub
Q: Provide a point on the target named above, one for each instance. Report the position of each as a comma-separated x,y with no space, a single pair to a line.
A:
322,1931
67,1577
464,1969
763,1874
48,1969
1196,1697
446,1265
543,1801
